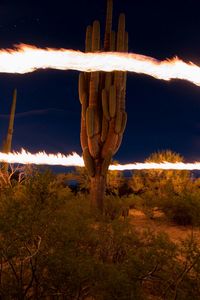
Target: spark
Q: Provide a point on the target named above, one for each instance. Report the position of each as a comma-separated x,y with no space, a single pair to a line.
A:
74,159
25,58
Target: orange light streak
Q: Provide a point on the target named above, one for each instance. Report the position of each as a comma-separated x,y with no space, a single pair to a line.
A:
42,158
26,58
74,159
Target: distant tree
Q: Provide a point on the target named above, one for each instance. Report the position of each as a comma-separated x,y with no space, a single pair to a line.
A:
158,180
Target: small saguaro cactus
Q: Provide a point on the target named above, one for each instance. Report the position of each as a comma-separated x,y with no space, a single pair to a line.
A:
102,97
7,144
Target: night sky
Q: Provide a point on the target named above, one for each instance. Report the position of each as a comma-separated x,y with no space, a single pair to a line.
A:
161,115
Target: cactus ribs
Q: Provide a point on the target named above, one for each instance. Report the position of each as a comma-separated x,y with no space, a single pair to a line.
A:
103,116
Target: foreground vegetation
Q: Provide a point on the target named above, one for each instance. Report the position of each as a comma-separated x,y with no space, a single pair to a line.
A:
53,247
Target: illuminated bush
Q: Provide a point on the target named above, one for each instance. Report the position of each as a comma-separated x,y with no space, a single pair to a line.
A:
52,246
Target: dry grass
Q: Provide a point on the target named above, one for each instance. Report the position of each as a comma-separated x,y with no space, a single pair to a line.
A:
159,223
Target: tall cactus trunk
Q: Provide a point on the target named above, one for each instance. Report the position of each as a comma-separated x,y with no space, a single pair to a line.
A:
97,192
103,116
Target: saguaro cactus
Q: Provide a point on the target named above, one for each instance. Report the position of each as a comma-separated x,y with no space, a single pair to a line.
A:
8,141
103,116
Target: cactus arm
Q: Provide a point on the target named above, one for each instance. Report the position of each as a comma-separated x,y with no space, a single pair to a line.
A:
108,25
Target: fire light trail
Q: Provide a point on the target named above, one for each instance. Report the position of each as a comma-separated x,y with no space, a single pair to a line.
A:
157,166
42,158
26,58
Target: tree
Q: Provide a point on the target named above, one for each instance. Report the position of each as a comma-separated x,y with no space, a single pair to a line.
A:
103,116
158,180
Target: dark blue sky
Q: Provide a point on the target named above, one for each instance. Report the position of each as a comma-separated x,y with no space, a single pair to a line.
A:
161,115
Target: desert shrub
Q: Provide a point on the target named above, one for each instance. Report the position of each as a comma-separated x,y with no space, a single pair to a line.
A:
185,281
51,245
156,181
183,209
115,180
116,206
147,203
112,207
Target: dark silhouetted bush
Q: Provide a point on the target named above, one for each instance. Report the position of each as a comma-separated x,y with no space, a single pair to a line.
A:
183,209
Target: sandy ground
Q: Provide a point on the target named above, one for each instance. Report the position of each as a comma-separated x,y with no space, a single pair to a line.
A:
160,224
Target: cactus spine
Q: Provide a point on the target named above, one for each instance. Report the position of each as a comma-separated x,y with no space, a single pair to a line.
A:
102,96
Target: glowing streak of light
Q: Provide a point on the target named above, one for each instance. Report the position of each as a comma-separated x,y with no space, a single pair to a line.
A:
26,58
42,158
157,166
